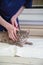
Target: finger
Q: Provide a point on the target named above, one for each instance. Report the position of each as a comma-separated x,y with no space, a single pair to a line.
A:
15,34
16,24
17,29
13,23
14,38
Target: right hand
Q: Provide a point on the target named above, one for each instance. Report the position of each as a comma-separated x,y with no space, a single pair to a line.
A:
10,28
12,32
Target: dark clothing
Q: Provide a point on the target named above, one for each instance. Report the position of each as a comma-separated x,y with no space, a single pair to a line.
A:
8,8
28,4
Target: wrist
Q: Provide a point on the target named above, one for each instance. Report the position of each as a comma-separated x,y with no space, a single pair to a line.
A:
14,17
8,26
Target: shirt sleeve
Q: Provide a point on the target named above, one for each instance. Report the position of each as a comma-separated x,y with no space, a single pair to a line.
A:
28,4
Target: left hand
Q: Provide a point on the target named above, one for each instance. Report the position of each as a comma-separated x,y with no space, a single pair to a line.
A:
14,22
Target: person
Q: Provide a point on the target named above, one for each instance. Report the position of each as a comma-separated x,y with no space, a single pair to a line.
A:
9,12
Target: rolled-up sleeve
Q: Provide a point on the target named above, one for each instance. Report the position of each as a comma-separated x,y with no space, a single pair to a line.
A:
28,4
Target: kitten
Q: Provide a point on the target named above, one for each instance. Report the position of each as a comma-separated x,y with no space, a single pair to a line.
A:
22,38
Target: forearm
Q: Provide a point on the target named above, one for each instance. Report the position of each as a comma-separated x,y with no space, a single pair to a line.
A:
4,23
19,12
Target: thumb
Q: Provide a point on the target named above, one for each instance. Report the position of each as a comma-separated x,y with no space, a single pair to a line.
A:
14,22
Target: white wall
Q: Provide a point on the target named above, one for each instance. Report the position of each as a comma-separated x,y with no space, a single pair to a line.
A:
32,17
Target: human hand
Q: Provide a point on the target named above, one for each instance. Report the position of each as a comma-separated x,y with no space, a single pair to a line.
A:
10,28
12,32
14,21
